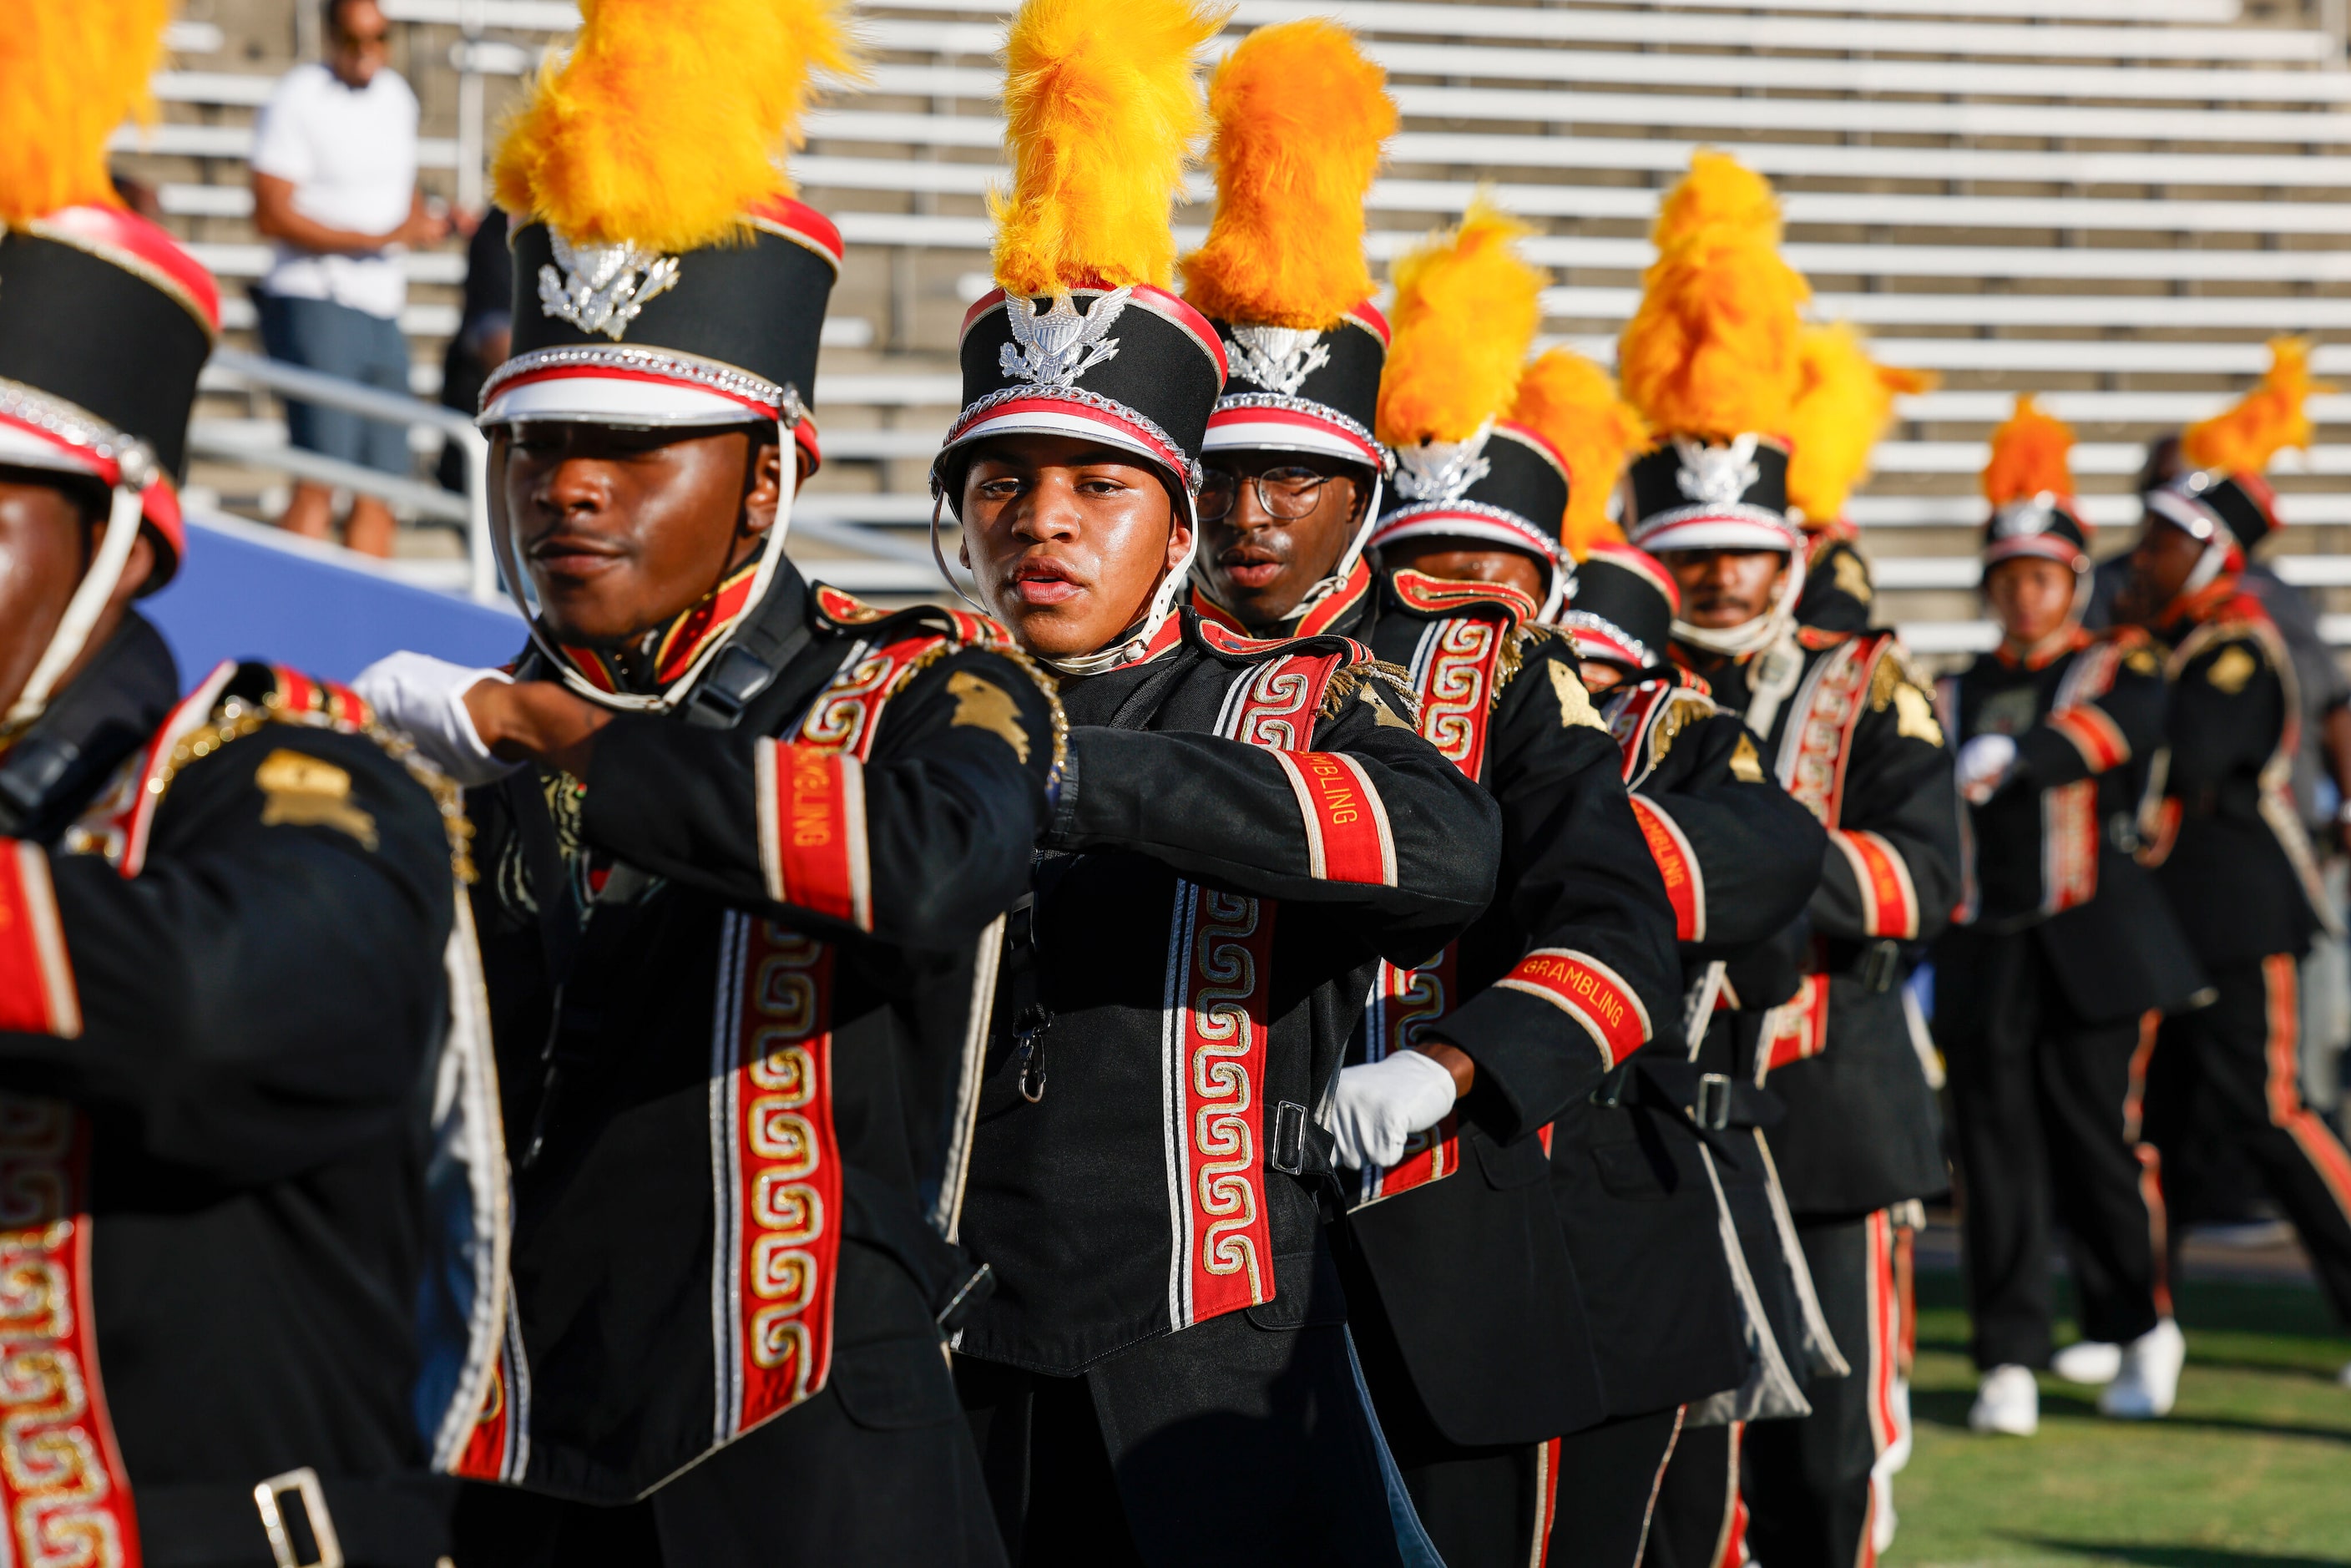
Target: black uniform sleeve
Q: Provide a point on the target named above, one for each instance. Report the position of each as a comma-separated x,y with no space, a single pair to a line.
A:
1371,820
923,844
1892,865
1741,855
2100,734
1600,970
2228,706
266,991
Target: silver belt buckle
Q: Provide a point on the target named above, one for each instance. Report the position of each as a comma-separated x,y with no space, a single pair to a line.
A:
1713,1107
304,1482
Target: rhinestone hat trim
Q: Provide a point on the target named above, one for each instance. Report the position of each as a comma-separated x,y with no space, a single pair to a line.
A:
660,363
76,427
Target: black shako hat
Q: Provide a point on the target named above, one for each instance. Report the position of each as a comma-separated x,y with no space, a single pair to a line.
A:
1506,484
1295,390
1134,367
2204,500
2046,524
1621,606
105,325
616,334
1695,495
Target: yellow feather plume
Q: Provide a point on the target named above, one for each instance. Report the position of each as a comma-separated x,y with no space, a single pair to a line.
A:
2270,417
1467,306
668,118
1300,115
1574,403
1844,402
1100,108
2029,456
1712,350
72,71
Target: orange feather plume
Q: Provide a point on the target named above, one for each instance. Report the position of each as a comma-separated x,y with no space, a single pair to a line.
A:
1712,350
2267,419
1101,109
1575,404
668,118
1300,116
73,69
1467,306
1844,402
2027,456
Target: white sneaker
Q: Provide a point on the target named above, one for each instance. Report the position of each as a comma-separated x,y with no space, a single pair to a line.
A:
2148,1383
2007,1402
2090,1362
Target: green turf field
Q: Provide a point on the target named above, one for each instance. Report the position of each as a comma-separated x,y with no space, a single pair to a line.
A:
2254,1468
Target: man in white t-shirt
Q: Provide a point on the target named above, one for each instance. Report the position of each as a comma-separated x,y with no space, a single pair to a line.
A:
334,184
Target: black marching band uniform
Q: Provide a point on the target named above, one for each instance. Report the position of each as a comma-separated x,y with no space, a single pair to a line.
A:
232,971
740,971
1461,1288
2062,955
1245,830
1696,1296
2229,847
1849,730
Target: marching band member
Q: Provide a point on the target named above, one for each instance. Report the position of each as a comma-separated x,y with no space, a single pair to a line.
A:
232,960
741,903
1244,832
2062,958
2228,850
1710,361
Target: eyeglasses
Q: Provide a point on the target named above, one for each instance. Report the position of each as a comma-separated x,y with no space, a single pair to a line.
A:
1285,494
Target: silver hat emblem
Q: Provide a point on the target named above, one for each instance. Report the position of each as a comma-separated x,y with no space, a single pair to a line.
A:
1717,475
2022,519
1279,359
1443,470
1057,348
602,287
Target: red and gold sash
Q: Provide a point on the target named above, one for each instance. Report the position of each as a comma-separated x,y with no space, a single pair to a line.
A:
1220,975
1456,670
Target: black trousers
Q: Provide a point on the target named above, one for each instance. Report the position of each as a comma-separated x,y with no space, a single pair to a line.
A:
1806,1482
2045,1112
811,1487
1226,1443
1605,1481
2239,1061
1700,1521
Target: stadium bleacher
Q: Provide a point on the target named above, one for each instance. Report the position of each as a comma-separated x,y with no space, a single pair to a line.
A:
2110,202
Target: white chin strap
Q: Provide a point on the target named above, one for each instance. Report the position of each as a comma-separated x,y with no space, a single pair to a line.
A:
1750,636
2209,566
1131,643
771,557
83,609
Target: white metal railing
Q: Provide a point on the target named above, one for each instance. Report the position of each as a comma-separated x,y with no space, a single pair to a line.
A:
224,441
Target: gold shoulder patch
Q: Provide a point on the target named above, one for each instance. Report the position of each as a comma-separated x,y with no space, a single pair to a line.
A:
1381,713
1574,703
300,790
1745,766
1914,716
2141,660
1851,575
2233,669
981,703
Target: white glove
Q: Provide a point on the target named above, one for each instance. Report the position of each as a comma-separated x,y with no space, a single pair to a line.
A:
424,698
1984,767
1373,1108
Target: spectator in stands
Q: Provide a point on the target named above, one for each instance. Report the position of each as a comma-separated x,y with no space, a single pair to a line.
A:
485,333
334,184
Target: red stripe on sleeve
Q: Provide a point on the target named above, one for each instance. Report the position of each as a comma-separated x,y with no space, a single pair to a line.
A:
36,982
1347,833
2096,735
812,806
1590,992
1685,885
1889,905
